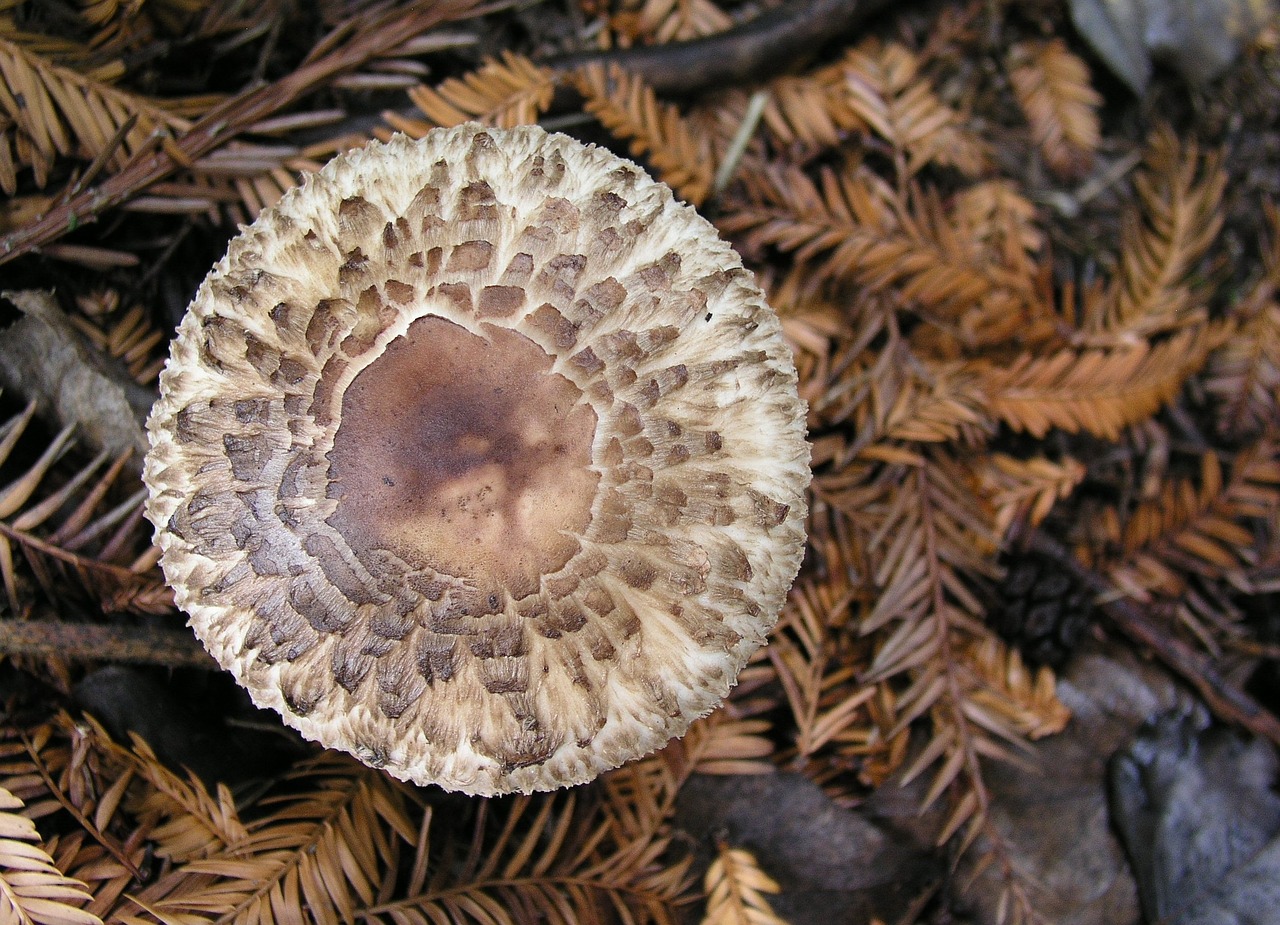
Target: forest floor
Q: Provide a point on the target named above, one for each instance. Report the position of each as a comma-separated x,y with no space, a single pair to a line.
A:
1027,258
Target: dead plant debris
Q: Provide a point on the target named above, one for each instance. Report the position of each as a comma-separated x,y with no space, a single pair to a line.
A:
1033,315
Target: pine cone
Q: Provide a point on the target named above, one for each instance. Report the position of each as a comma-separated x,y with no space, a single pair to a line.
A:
1041,610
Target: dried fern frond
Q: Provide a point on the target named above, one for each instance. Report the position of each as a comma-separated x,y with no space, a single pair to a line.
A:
933,536
1205,530
331,843
893,397
94,63
733,744
816,665
886,89
64,113
628,108
1003,221
508,92
850,226
933,543
129,336
1244,373
660,21
33,891
1008,697
1027,489
736,890
1098,391
49,112
546,860
841,227
1172,225
811,109
72,533
183,819
1052,85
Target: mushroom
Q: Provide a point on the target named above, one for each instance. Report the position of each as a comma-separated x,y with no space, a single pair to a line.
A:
481,458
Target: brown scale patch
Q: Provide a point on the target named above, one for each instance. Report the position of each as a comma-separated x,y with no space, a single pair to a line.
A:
186,424
358,218
289,371
466,456
477,202
469,256
639,448
437,657
252,410
500,301
519,271
505,675
587,361
398,687
328,324
322,398
769,512
627,420
562,332
349,664
457,295
560,275
341,574
398,292
374,316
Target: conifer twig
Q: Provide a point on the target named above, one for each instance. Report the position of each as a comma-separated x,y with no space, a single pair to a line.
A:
344,50
1226,700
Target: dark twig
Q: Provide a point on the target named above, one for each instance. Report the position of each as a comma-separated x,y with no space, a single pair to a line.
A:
772,42
103,642
1226,700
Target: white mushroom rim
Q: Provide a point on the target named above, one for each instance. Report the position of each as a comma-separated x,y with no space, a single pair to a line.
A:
481,458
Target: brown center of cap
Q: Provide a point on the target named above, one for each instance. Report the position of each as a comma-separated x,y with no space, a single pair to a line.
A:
465,454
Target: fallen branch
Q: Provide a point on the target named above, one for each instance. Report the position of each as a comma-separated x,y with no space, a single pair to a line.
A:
103,642
782,38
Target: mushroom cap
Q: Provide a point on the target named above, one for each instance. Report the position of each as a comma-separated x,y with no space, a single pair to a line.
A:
481,458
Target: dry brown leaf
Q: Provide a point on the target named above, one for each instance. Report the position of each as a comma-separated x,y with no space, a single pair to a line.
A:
1027,488
1204,530
886,89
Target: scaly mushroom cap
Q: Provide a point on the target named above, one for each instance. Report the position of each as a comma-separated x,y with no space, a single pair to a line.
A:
481,458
